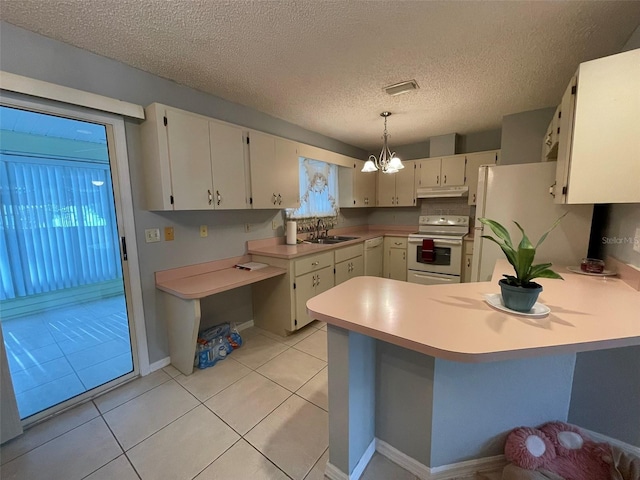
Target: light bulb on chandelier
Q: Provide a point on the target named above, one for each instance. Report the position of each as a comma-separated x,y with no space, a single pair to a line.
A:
388,162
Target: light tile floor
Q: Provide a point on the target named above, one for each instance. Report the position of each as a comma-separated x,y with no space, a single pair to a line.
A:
63,352
259,415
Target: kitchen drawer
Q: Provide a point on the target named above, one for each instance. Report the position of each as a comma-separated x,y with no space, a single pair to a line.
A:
313,262
397,242
345,253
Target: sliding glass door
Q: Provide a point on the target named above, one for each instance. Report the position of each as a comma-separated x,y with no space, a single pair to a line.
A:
64,292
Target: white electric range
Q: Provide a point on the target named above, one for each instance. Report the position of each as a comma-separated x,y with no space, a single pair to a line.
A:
435,252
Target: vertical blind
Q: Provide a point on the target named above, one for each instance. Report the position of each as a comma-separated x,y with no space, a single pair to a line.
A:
58,225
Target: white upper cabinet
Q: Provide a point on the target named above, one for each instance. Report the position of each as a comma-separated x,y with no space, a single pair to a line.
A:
551,138
397,189
357,188
274,171
441,172
428,172
182,155
474,161
228,164
189,160
599,140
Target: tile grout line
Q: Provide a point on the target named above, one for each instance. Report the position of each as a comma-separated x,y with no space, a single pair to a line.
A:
201,402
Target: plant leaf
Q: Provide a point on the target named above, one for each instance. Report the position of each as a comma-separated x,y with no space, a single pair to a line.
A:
543,237
525,259
536,269
524,243
548,273
511,280
509,252
498,229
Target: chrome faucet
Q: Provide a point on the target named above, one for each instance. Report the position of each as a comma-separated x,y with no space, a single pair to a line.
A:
320,222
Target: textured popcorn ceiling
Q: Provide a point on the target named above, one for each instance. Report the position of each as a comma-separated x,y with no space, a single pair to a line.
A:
322,64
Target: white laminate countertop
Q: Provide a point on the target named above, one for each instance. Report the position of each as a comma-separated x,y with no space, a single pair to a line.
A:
454,322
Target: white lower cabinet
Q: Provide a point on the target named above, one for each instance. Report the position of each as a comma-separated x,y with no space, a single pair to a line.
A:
349,263
307,286
279,303
394,264
467,261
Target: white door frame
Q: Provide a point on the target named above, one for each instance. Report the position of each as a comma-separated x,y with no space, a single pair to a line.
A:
116,142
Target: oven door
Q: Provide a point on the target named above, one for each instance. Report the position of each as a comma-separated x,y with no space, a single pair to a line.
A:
447,258
431,278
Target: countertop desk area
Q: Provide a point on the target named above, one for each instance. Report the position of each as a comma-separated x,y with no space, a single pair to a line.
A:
434,377
185,286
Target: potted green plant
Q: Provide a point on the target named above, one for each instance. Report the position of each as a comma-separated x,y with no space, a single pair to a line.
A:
519,292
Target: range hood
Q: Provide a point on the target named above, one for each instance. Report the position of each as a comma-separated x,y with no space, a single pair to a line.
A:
440,192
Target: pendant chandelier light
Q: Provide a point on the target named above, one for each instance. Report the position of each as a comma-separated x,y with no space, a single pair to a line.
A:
388,162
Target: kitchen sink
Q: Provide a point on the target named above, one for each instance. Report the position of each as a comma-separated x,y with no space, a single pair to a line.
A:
332,239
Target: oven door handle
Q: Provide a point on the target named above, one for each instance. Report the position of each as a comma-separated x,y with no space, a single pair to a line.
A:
439,241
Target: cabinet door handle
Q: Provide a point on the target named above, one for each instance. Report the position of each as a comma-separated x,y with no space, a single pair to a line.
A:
468,262
318,281
552,189
438,179
404,255
313,264
279,200
397,243
218,196
474,198
445,179
314,281
273,199
548,141
210,197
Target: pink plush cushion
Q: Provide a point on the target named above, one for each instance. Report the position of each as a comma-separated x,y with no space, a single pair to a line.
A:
578,457
529,448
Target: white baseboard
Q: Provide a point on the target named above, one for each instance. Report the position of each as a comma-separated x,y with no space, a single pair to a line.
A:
625,447
334,473
364,461
159,364
403,460
244,325
468,468
454,470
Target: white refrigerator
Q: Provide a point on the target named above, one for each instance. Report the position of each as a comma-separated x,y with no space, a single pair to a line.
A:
521,193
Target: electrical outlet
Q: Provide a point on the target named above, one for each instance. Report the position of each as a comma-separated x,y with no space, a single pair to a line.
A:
247,227
152,235
168,234
274,224
204,231
636,241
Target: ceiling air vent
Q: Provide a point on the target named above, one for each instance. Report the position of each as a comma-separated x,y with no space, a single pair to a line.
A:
402,87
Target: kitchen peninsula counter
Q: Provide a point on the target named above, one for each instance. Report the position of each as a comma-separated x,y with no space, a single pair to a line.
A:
434,378
454,322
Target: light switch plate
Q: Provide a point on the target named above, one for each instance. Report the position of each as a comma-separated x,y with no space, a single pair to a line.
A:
168,234
152,235
636,241
204,231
